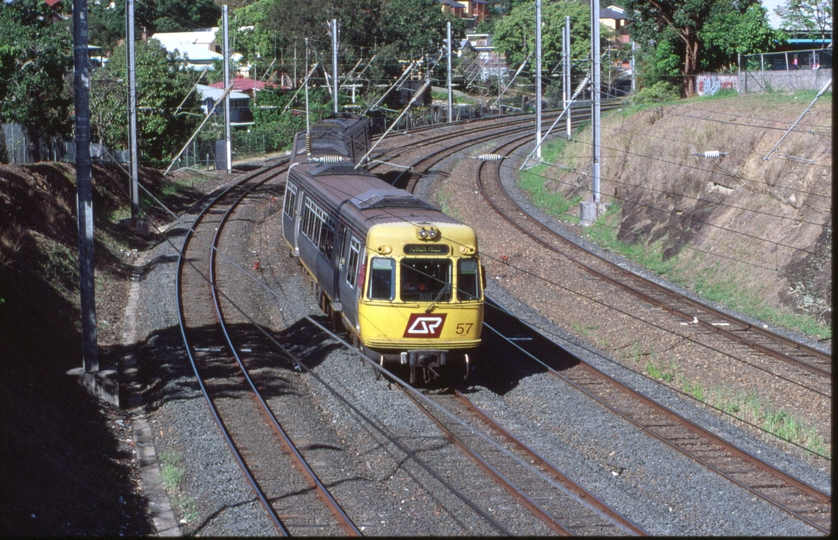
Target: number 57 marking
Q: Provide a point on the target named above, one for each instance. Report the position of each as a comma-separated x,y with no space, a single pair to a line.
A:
464,328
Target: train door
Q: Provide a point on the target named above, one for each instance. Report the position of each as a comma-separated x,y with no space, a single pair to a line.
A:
348,275
291,219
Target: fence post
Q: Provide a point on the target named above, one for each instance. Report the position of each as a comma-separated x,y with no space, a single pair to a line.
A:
762,69
788,71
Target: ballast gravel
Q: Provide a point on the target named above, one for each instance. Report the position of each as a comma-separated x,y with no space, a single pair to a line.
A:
646,481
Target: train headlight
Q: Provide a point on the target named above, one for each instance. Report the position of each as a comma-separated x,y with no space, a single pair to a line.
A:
427,233
467,250
384,250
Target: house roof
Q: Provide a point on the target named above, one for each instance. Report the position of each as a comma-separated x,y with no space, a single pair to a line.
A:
192,45
209,92
243,84
608,13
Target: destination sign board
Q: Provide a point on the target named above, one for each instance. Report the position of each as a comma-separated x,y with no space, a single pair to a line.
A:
426,249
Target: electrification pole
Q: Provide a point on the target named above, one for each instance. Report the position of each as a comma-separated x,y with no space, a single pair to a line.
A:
308,124
132,115
538,78
84,187
450,93
335,62
595,112
227,139
566,85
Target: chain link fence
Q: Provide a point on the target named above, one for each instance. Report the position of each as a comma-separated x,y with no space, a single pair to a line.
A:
787,71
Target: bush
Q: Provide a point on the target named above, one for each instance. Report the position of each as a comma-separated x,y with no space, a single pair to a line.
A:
658,92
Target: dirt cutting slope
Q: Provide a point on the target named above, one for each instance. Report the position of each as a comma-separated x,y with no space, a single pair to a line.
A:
739,222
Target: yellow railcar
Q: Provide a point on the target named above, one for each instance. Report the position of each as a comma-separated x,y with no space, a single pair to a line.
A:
404,279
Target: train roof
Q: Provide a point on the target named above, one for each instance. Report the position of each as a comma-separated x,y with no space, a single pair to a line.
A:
363,197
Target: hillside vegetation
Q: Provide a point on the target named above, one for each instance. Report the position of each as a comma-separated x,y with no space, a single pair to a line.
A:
753,234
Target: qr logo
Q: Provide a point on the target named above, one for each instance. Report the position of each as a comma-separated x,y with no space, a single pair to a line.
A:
426,326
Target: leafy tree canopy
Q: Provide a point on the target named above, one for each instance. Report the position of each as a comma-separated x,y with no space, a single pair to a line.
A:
36,69
701,31
176,15
407,28
515,34
806,15
106,19
728,34
165,116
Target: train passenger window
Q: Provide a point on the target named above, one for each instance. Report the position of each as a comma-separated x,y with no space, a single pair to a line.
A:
425,280
468,280
381,278
352,262
290,199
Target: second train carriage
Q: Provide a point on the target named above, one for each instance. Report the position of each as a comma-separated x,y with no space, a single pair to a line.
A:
403,278
343,135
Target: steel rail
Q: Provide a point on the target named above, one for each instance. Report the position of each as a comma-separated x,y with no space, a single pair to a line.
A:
344,521
545,465
260,494
735,464
706,316
499,479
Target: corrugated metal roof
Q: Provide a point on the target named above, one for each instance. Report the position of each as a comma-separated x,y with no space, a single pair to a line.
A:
244,84
208,92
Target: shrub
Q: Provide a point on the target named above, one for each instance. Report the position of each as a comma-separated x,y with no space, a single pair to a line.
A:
658,92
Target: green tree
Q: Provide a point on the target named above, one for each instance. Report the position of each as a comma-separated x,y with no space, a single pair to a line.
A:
515,34
165,117
36,69
728,34
685,24
414,27
106,23
806,15
176,15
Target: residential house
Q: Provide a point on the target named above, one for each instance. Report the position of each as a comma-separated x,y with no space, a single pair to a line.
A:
240,114
614,17
198,48
473,11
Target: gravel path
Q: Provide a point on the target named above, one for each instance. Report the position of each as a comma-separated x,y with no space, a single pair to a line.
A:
644,480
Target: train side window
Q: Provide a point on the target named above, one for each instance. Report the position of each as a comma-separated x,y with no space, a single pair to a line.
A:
307,218
468,280
352,263
290,199
381,278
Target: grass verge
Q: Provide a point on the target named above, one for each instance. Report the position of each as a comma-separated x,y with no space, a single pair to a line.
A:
172,475
746,406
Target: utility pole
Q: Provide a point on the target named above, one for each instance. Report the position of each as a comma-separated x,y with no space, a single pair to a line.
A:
308,124
590,210
132,115
538,78
84,187
566,73
597,157
450,96
335,63
227,139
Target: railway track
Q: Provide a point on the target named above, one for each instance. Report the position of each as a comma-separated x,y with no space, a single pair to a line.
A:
808,367
799,364
561,504
262,449
219,371
743,469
